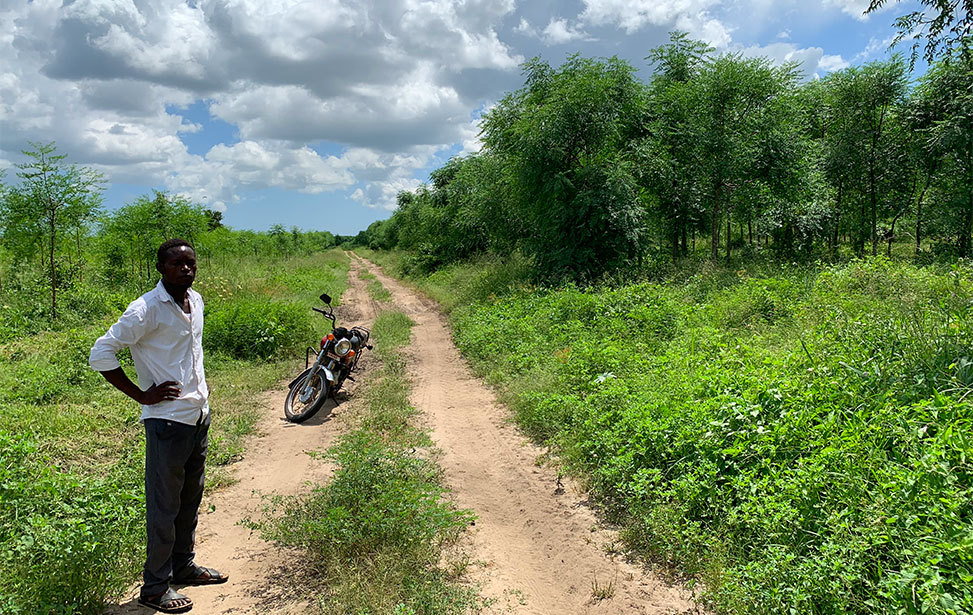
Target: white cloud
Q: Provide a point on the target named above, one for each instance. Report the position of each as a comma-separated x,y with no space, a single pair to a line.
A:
383,195
810,59
633,15
693,16
389,80
874,49
830,63
854,8
558,32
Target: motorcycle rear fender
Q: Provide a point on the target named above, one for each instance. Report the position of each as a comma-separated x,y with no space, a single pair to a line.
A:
327,374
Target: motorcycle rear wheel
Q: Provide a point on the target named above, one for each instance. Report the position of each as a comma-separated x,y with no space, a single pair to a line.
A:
298,411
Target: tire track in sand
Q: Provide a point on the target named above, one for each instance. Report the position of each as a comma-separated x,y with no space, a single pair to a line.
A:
542,549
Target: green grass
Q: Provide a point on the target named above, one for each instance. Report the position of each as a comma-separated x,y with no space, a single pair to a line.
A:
375,288
71,446
381,532
798,438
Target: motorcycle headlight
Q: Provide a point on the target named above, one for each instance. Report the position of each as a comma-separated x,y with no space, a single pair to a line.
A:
342,347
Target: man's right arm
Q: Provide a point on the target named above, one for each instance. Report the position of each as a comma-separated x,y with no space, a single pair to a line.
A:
155,393
124,333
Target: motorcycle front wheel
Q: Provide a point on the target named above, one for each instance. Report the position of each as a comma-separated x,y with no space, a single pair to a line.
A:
300,405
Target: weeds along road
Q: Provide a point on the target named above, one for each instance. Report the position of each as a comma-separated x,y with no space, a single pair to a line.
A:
537,548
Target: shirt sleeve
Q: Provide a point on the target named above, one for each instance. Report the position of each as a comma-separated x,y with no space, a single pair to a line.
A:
124,333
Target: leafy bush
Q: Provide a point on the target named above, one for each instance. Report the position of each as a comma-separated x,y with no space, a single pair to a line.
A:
799,441
257,328
44,367
67,543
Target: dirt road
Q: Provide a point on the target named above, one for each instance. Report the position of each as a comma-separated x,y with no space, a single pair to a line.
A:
538,549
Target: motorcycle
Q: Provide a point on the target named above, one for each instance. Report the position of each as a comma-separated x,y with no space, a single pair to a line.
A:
337,357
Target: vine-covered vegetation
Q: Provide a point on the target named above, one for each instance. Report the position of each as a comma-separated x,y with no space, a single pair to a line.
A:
588,170
798,438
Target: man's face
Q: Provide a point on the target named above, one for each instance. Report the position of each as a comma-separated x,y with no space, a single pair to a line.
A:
179,268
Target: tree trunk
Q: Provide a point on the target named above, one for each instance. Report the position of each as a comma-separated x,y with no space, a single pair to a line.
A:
715,235
685,242
729,235
967,224
919,220
874,212
53,220
750,230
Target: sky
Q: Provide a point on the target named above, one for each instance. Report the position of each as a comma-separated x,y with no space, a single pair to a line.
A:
316,114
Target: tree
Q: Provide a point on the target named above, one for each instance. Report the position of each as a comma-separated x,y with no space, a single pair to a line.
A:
148,221
744,119
564,141
863,158
945,24
668,152
945,96
52,198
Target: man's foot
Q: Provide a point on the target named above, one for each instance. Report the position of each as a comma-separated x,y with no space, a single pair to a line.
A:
170,601
200,575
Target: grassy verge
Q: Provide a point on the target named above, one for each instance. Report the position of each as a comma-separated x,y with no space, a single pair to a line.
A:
381,532
72,449
797,438
375,288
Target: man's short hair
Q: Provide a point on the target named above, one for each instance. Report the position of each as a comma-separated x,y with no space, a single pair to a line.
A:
170,244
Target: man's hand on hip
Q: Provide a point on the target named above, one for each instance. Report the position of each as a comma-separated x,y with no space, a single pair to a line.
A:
166,391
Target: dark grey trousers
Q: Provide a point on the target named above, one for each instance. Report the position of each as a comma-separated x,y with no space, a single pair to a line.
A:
175,460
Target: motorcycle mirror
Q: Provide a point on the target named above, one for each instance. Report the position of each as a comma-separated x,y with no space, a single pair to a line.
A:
326,298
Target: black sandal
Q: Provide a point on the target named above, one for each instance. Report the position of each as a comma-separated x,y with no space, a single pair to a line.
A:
164,602
201,575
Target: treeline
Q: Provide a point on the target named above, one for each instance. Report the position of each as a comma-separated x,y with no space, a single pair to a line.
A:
53,228
589,170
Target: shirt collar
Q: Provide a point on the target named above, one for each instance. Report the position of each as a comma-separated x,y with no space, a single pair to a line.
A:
164,295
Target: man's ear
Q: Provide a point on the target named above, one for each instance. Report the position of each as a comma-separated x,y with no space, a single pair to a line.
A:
160,268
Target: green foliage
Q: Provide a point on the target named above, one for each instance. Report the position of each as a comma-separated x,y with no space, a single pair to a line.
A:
592,174
52,200
65,540
257,328
564,138
799,441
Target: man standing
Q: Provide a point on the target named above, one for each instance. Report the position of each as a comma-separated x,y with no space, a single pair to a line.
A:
164,330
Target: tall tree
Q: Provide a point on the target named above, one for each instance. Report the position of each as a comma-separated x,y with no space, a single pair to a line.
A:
864,103
741,109
669,150
946,94
565,138
52,198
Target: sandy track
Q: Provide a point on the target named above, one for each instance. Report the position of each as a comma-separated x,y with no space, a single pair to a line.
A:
542,549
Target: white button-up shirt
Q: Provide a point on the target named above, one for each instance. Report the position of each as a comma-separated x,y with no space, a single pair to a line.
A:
166,344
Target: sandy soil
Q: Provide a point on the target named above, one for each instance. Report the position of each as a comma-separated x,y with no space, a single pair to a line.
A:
538,549
541,549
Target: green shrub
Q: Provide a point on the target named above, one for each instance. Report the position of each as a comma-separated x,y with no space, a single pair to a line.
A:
799,440
257,328
67,543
